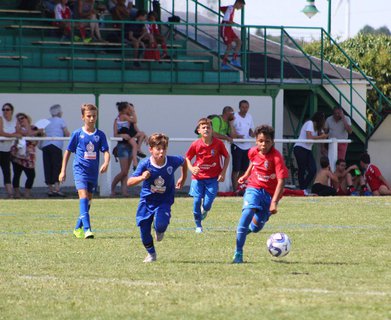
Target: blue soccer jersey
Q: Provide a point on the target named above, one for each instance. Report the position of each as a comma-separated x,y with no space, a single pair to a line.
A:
160,186
87,148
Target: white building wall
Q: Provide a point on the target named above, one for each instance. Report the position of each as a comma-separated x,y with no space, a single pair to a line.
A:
359,95
379,148
174,115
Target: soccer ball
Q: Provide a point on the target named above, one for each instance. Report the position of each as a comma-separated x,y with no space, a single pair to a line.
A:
278,244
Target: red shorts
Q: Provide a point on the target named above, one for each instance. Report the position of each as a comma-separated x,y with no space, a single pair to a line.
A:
228,35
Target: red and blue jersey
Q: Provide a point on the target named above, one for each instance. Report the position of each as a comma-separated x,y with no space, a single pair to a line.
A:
266,169
229,12
208,157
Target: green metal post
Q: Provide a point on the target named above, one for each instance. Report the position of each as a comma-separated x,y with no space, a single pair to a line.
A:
329,19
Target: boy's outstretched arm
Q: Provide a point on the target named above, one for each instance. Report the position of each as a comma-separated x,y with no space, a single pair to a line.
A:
182,179
63,172
193,169
106,162
277,196
132,181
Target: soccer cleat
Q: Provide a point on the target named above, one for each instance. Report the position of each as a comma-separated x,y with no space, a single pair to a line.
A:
238,257
151,257
79,233
199,230
355,193
367,193
87,40
141,154
236,63
88,234
159,236
204,214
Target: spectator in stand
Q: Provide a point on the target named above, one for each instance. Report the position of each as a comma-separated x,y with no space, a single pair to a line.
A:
325,180
157,37
243,125
85,11
23,155
374,178
128,5
311,130
7,130
63,13
339,126
52,151
138,35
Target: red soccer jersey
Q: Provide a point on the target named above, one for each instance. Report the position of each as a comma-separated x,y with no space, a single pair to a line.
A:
208,158
229,12
267,168
372,175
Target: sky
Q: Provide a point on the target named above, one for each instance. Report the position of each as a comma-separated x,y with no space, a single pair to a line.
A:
376,13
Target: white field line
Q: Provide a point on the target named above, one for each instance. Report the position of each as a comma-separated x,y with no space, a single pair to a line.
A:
142,283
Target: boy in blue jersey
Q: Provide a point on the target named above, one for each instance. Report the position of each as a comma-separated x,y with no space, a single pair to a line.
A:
86,143
157,192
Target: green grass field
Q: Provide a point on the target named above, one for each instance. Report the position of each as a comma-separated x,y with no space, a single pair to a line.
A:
339,266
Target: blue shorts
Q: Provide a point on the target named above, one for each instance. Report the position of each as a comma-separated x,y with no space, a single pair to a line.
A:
198,188
257,199
124,150
86,185
146,210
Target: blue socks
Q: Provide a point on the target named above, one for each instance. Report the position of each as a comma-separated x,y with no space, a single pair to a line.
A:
84,216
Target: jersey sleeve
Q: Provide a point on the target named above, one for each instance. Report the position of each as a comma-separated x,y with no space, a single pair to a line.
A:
104,145
223,149
228,14
191,152
142,166
73,141
280,167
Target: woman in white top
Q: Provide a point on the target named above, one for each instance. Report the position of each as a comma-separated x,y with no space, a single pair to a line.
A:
7,130
311,130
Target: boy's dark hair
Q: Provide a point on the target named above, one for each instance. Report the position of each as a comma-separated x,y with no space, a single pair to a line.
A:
151,14
339,161
324,162
158,139
266,130
240,1
9,105
365,157
121,106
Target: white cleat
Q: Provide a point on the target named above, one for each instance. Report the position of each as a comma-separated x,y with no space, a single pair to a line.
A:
199,230
151,257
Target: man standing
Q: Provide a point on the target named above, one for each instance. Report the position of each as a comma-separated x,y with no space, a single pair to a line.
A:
222,125
243,125
339,126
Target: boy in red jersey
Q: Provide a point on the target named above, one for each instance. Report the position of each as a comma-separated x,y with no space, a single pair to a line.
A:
265,177
158,38
378,184
229,36
206,170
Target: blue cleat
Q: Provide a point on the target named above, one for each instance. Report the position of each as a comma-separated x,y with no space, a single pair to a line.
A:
238,257
354,193
367,193
225,67
236,63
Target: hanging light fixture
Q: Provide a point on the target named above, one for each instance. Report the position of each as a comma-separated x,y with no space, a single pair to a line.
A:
310,9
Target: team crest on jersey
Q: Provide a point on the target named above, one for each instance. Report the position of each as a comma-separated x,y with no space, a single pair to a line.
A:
90,154
212,152
96,138
170,170
158,185
266,164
